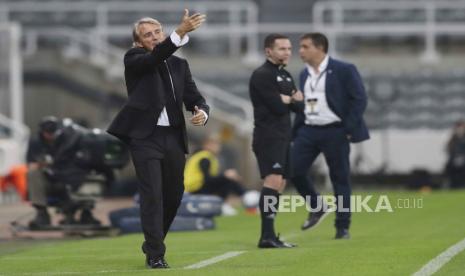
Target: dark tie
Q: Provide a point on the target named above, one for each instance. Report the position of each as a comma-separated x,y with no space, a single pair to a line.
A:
174,113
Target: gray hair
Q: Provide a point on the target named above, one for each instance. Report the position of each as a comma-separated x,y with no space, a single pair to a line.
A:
135,29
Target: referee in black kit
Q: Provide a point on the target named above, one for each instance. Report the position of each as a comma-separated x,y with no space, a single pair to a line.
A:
274,96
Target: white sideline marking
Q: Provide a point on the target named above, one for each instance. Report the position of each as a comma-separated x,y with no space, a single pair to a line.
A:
291,235
93,256
216,259
201,264
435,264
80,273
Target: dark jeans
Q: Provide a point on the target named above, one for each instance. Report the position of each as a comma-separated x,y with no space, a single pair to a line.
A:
333,143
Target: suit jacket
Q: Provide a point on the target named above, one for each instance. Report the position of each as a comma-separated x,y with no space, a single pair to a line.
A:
146,91
346,97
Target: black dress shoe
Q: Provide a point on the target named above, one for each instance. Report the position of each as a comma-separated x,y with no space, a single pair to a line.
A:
274,242
151,262
315,218
342,233
156,262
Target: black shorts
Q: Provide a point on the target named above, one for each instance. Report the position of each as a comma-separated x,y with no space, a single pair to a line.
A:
273,157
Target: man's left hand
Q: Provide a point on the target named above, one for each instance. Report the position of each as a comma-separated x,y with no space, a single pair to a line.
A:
199,117
190,23
297,96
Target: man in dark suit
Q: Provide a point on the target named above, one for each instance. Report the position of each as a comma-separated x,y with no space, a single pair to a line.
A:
152,124
335,101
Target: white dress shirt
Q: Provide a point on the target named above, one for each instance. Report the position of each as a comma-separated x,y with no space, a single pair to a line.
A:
178,42
317,111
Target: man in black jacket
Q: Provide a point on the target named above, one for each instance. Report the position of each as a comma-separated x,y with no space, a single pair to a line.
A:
331,120
274,95
152,124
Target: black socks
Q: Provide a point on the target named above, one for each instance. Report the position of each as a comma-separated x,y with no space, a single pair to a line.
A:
269,204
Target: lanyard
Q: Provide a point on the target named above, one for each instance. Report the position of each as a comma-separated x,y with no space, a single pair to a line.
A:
312,88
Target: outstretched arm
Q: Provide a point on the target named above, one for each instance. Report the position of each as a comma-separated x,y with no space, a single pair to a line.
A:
140,60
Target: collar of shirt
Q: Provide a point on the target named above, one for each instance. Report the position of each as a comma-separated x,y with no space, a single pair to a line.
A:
279,66
321,67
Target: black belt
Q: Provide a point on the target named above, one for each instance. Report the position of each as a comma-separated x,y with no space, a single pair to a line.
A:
332,125
168,128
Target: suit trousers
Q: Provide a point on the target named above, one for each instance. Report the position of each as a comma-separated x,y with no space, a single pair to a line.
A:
333,143
159,162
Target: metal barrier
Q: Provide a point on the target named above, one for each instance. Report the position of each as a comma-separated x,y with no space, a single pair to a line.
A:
11,90
14,136
331,17
241,20
241,114
92,43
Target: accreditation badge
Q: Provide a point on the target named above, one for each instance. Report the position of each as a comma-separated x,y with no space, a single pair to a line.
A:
311,107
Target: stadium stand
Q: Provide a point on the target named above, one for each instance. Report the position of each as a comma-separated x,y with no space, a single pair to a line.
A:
406,67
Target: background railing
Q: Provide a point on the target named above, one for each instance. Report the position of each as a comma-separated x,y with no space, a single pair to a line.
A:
14,135
98,32
234,20
426,19
238,21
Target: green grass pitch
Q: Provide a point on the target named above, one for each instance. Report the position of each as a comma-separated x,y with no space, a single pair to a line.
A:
397,243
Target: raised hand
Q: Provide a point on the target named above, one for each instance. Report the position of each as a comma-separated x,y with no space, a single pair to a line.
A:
190,22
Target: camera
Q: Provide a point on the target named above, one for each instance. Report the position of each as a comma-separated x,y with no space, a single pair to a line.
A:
72,159
68,144
100,151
